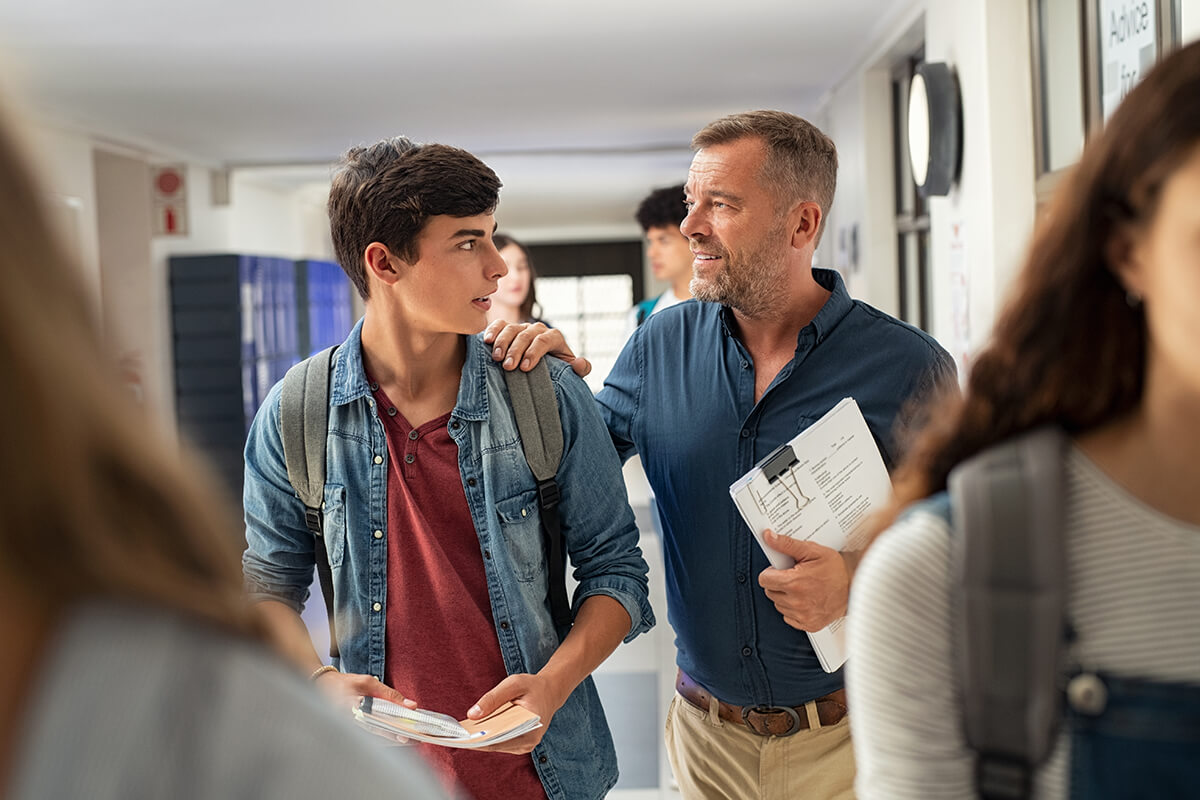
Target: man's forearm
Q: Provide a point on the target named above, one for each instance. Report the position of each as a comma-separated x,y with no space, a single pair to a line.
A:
601,624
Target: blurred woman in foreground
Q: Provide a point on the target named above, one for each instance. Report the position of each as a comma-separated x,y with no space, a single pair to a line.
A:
130,664
1102,339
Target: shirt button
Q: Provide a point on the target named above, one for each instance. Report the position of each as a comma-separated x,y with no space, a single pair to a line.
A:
745,433
378,534
741,577
524,512
378,459
470,481
391,411
378,606
504,625
410,458
746,651
487,554
745,365
374,386
542,759
454,425
413,435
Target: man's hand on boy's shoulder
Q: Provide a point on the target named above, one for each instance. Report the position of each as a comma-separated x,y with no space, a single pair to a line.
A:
526,343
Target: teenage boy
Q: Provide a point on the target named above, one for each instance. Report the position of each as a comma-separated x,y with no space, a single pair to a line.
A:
431,517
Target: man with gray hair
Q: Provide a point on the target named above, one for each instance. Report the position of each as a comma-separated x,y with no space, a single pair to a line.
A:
703,391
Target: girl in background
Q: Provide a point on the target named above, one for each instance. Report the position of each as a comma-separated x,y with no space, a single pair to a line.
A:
515,299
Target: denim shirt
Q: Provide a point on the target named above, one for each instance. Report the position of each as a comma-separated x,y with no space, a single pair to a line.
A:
575,758
682,395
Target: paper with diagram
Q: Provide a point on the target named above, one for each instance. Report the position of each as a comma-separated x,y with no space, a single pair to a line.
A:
820,487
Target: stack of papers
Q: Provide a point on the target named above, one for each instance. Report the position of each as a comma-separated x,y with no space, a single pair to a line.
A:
392,720
820,487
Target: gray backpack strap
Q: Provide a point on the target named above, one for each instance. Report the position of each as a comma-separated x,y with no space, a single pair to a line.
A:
536,410
304,426
1009,556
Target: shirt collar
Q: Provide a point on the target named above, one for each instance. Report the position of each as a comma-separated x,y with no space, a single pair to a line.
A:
349,380
836,307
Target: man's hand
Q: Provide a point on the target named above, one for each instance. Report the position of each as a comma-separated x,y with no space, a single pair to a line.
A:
813,592
525,344
529,691
345,689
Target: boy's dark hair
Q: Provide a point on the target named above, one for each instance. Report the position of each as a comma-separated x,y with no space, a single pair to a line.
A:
387,192
662,208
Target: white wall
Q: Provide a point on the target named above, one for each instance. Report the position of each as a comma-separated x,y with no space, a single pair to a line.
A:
860,233
63,163
988,44
1189,23
979,232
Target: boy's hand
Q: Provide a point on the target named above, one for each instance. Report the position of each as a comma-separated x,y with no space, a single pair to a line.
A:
532,692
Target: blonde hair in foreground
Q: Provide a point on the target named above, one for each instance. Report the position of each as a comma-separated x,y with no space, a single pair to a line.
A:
95,502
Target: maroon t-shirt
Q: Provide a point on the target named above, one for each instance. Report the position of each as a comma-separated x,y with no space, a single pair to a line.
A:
441,645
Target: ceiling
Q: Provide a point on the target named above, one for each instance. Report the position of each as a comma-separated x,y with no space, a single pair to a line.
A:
580,107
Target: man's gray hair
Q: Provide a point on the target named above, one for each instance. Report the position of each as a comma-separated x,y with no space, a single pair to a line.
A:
801,163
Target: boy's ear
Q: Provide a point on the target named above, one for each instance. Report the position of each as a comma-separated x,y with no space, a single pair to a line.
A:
381,263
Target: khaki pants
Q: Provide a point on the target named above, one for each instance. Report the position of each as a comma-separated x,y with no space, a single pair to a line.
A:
718,760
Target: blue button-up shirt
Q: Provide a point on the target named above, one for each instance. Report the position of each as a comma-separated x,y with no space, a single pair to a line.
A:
575,758
682,395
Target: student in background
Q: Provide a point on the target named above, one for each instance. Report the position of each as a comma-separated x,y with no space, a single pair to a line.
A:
1100,338
515,299
131,664
431,520
659,214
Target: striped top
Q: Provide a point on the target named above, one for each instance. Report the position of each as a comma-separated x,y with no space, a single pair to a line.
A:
1134,591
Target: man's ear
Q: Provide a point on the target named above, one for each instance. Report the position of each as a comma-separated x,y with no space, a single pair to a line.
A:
381,263
806,221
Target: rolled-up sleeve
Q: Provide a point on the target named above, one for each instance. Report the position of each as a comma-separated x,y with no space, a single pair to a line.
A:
618,400
598,524
280,554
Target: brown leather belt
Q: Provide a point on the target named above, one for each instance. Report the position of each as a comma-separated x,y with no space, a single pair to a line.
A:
766,720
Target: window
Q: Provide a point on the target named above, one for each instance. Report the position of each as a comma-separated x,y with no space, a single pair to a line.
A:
586,290
912,213
591,311
1086,56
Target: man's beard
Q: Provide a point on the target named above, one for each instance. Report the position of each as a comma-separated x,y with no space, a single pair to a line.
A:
748,283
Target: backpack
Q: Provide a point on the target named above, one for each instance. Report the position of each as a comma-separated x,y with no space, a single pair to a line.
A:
1009,557
304,423
645,309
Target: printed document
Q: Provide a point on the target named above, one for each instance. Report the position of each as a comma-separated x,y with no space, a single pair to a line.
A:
820,487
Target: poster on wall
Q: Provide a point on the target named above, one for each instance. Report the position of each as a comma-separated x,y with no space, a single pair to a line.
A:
1128,47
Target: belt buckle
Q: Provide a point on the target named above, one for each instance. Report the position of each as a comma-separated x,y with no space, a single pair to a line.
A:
791,712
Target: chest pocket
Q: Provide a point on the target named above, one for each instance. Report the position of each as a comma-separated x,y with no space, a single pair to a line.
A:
333,523
522,530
